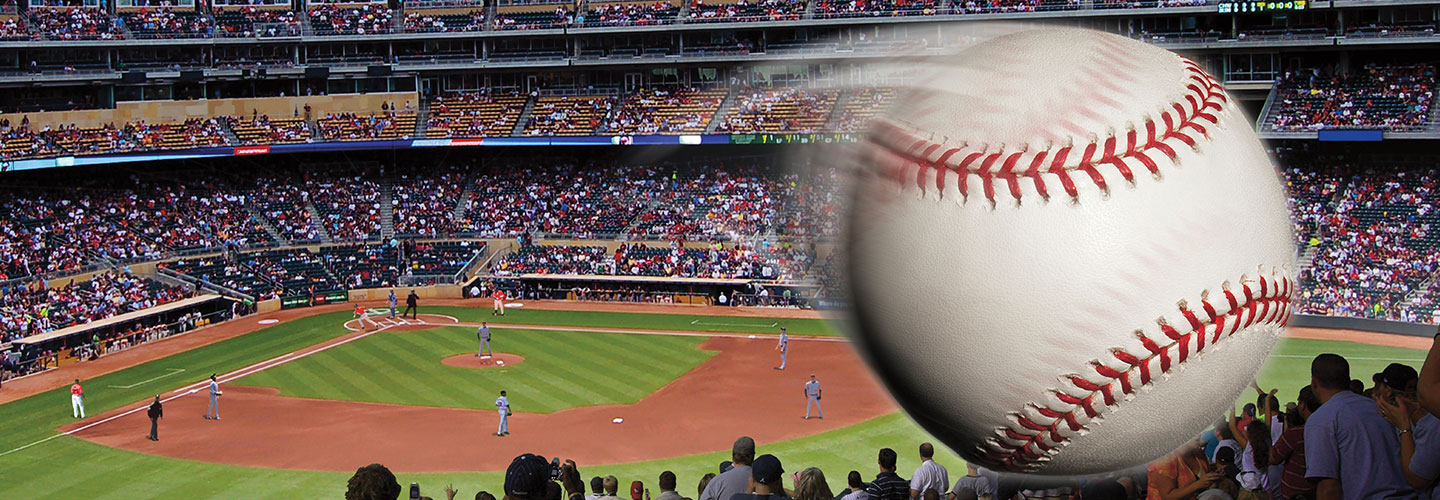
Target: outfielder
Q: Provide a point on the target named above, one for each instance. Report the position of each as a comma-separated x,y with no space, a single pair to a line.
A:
214,408
812,396
392,303
364,318
784,348
504,405
77,400
499,296
484,335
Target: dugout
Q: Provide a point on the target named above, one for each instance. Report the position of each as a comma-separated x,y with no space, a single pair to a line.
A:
75,343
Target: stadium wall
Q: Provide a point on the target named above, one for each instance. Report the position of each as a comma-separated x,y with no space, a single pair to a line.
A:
175,111
1363,324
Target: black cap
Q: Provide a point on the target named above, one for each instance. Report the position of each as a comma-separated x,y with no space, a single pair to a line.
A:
726,466
766,469
1398,377
527,476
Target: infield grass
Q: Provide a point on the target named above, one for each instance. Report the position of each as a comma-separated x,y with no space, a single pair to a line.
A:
66,467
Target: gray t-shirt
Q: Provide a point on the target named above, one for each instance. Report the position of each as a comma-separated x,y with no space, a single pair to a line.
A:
1426,460
1347,439
732,482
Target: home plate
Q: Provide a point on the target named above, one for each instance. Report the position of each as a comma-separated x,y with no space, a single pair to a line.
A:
618,420
268,321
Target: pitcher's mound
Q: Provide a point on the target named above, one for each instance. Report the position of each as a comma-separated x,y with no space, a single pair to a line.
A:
469,360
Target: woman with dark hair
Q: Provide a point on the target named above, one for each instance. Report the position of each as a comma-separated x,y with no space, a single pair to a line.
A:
1255,442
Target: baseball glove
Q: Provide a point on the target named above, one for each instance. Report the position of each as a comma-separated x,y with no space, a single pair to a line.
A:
509,413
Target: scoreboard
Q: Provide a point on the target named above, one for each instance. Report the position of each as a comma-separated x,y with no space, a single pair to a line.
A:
1253,6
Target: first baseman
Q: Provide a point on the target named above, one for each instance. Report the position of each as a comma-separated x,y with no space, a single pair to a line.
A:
784,348
77,400
214,408
812,396
484,335
503,404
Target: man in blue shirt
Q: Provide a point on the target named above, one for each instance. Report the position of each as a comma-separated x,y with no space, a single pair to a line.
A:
1351,452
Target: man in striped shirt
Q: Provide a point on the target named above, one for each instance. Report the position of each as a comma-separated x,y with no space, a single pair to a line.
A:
1289,450
887,484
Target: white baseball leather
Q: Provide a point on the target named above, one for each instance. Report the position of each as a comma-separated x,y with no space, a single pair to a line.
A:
1000,315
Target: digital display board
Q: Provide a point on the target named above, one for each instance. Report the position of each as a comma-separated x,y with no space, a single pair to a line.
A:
1250,6
793,138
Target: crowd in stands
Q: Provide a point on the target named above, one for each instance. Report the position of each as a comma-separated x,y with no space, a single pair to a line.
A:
166,23
1388,97
628,14
781,110
243,22
37,306
261,129
13,29
75,23
475,114
568,115
746,10
425,206
428,22
354,127
351,19
717,261
19,142
664,111
866,8
580,202
561,16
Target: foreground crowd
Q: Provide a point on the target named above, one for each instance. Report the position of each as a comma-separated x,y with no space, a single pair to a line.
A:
1338,440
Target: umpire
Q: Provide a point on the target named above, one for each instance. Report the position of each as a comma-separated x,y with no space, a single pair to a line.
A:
410,303
155,413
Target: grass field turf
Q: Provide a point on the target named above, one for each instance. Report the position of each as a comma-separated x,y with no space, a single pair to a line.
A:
66,467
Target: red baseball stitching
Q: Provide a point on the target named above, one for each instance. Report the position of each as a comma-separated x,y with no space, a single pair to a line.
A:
1204,99
1029,440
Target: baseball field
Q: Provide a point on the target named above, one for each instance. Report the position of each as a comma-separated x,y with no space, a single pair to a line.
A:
310,398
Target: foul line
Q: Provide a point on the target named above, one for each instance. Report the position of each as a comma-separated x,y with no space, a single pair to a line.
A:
698,322
193,388
146,381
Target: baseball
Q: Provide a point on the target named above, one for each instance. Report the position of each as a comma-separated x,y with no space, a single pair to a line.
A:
1069,252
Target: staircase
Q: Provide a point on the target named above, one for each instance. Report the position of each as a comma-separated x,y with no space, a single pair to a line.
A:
524,117
1415,293
462,204
833,123
684,13
265,224
649,207
721,113
422,118
810,9
318,222
229,133
387,209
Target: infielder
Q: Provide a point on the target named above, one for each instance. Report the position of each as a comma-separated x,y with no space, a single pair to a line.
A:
504,405
392,303
812,396
364,318
214,408
77,400
499,296
784,348
484,335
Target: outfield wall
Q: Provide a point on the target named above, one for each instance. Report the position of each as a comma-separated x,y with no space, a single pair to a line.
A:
1364,324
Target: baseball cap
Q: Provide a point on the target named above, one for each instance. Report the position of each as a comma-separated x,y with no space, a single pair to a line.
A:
766,469
726,466
637,490
1225,456
527,476
1398,377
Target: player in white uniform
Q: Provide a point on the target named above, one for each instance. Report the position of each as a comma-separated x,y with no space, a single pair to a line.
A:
812,396
784,348
504,405
484,335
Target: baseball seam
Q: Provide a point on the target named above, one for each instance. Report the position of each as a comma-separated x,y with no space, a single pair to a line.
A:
1032,436
1195,111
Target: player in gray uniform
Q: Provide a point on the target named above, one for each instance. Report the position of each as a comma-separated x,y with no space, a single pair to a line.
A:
812,396
784,348
484,335
503,404
214,408
392,303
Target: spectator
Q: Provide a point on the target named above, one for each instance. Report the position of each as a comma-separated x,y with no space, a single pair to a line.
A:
704,482
597,486
887,484
373,482
1418,429
810,485
1289,450
1428,389
1181,475
974,481
930,475
766,475
667,487
528,478
735,481
612,488
1351,452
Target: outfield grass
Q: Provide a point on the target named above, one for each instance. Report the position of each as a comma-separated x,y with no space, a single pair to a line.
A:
561,369
67,467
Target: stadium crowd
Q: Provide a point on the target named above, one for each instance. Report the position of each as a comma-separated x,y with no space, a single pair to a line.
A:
781,262
34,307
1391,97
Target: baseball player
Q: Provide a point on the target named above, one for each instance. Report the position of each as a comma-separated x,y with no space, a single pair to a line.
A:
499,296
484,335
392,303
214,408
77,400
364,318
503,404
812,396
784,348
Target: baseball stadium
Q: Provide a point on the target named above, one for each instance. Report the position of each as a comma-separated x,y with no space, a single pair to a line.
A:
508,248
